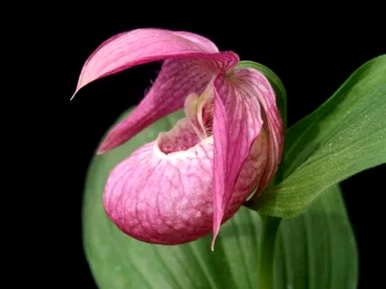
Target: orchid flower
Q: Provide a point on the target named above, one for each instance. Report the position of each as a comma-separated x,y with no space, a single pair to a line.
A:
194,177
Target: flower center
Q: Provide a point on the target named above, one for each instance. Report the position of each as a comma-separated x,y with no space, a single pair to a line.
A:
180,138
189,131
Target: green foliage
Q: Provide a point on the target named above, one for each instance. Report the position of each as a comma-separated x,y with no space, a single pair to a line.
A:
314,249
317,249
345,135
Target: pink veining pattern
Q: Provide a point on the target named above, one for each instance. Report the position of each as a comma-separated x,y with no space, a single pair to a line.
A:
140,46
264,92
236,124
196,176
170,201
177,79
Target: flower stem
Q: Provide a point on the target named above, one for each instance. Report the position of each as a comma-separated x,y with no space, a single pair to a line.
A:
266,252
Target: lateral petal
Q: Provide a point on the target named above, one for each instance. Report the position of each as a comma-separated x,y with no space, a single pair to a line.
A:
244,108
271,114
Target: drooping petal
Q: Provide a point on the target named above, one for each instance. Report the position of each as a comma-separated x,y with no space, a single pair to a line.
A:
272,119
140,46
177,79
244,100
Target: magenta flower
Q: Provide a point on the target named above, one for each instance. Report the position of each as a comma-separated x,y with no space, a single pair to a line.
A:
194,177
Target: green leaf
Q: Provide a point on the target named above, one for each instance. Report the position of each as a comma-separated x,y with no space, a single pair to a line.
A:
344,136
317,246
317,249
275,82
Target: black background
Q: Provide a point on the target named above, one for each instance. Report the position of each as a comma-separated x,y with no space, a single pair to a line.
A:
312,57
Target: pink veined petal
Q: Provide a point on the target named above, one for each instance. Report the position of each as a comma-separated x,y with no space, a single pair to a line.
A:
140,46
191,62
200,40
273,122
178,78
237,123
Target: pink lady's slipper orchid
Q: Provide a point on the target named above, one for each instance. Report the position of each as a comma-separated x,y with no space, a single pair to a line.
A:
192,178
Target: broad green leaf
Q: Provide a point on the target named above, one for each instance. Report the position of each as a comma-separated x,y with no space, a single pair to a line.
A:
314,249
317,249
344,136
